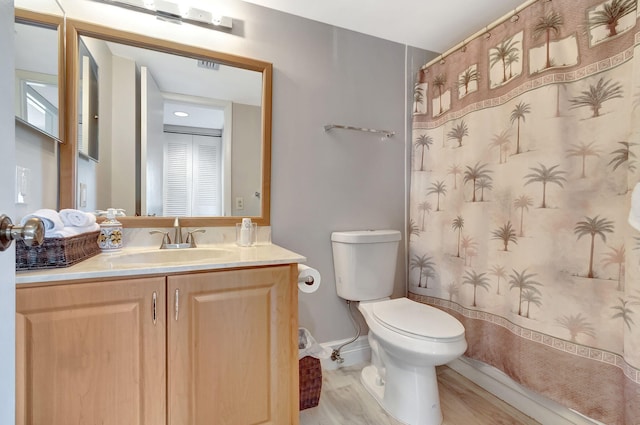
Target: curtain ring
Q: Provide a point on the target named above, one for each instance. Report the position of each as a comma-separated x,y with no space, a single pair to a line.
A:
515,18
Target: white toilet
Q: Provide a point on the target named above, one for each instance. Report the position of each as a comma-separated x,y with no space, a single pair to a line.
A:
408,339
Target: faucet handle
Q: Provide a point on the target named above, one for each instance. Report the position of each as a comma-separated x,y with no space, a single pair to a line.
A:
166,239
191,240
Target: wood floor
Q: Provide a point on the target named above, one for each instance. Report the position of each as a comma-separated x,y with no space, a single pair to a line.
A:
344,400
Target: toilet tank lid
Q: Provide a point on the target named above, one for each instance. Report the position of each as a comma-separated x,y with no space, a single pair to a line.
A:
366,236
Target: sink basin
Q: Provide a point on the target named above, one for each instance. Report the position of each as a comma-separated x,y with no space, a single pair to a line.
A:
171,256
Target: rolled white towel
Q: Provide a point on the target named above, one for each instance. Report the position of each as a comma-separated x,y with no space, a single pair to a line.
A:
71,217
69,231
50,218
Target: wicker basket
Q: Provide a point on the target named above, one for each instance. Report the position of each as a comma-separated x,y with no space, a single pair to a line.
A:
57,252
310,373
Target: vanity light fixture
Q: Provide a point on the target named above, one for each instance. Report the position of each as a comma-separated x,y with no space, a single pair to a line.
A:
175,12
180,114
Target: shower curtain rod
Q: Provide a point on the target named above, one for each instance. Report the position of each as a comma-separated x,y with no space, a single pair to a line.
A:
485,30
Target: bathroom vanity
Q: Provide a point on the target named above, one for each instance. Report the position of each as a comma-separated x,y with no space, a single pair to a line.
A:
151,337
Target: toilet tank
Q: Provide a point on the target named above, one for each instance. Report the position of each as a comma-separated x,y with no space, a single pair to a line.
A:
365,263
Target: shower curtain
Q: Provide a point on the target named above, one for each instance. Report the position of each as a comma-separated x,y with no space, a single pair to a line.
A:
525,154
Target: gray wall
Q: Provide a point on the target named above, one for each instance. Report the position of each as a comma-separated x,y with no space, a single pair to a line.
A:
339,180
321,182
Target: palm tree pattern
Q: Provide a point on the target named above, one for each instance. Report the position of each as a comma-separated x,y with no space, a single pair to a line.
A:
576,325
523,282
547,24
623,155
593,226
455,170
545,175
523,202
610,15
595,96
423,141
475,173
519,113
457,225
467,244
529,297
500,55
501,141
467,77
418,97
453,289
616,256
413,229
422,263
439,188
500,273
484,183
439,83
476,280
506,234
458,132
425,207
546,168
583,150
623,312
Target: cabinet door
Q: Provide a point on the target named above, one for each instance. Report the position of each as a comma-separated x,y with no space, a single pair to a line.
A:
90,353
232,347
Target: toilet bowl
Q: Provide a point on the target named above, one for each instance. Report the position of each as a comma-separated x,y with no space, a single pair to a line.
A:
408,339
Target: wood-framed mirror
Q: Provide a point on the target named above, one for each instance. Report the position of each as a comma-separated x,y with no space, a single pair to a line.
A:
39,107
128,150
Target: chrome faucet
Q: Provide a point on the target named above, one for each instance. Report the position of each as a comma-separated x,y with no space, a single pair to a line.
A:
178,241
177,238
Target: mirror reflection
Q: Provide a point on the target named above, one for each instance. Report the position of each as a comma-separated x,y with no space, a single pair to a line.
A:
37,110
36,85
162,134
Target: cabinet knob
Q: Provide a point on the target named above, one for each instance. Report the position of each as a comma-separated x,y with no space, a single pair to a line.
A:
31,233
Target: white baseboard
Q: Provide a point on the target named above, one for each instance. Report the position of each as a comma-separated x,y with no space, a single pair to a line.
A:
358,352
491,379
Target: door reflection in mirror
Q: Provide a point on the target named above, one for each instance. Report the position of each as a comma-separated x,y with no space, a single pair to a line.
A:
88,105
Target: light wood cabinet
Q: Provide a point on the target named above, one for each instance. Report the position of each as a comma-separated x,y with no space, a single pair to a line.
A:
91,353
222,350
230,355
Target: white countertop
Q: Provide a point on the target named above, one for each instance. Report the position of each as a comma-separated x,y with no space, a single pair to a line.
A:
134,262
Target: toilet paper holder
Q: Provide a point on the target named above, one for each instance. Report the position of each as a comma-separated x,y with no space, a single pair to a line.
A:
308,279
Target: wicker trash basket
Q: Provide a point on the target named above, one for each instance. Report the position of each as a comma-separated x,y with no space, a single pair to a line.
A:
310,374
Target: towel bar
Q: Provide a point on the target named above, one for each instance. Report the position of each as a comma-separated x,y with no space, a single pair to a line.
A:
386,133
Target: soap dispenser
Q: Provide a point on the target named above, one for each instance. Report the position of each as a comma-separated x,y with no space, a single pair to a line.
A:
110,238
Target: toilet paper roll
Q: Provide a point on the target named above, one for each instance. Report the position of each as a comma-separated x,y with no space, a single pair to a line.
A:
308,279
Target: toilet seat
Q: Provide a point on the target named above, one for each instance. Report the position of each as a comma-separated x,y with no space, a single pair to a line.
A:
417,320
